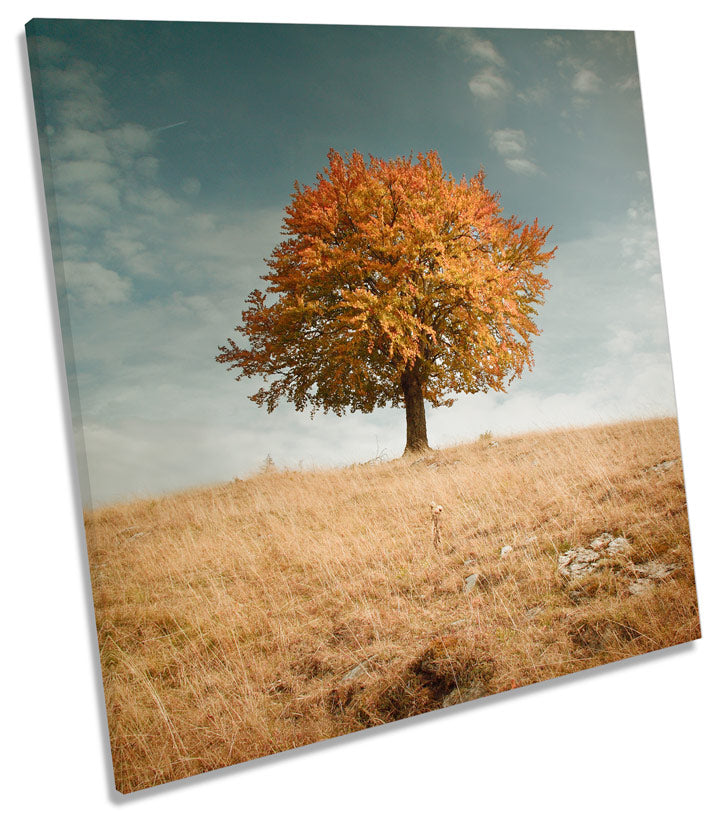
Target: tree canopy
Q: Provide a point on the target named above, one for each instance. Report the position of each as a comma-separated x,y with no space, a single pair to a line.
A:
394,284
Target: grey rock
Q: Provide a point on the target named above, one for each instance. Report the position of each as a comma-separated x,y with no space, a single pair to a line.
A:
655,569
642,584
464,694
470,583
663,466
617,545
583,560
505,551
602,541
577,562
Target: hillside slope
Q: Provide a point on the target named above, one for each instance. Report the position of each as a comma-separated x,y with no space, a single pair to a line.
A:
249,618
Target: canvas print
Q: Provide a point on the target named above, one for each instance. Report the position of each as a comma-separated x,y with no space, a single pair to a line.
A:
369,373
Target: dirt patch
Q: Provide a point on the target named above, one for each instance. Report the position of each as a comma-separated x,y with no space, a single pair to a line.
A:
448,670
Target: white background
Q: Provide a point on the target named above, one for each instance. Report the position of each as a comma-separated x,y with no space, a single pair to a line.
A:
636,738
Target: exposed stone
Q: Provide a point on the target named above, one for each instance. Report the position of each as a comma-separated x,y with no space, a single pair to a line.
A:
601,541
577,562
505,551
663,466
581,561
642,584
470,583
465,694
617,545
655,569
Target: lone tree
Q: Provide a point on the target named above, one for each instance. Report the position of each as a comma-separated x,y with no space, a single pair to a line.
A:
395,284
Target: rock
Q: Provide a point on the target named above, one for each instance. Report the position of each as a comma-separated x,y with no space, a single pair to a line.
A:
465,694
577,562
655,569
470,583
602,541
617,545
663,466
505,551
581,561
642,584
359,670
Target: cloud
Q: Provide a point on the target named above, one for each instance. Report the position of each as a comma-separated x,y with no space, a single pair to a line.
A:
640,246
586,81
629,83
509,142
191,186
522,165
488,85
536,94
555,42
95,285
512,146
75,90
477,48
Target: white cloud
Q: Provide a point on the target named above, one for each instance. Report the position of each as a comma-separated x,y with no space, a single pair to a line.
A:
555,42
191,186
522,165
509,142
488,84
536,94
82,103
478,48
95,285
586,81
630,83
512,146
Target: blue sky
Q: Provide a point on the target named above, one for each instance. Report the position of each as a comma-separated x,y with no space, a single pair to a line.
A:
172,150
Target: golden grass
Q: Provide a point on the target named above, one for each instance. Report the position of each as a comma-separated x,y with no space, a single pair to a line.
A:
229,616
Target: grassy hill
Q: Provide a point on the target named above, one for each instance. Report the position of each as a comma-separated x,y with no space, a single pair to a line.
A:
268,613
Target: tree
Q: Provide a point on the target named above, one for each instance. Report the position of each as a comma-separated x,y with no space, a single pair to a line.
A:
395,284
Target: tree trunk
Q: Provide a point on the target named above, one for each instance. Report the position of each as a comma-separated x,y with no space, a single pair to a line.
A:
414,411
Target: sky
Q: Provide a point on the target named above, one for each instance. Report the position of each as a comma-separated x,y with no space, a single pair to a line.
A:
170,151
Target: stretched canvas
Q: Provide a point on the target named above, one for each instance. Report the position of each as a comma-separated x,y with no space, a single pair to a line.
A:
369,373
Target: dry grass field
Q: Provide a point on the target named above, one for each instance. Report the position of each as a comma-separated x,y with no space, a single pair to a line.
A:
264,614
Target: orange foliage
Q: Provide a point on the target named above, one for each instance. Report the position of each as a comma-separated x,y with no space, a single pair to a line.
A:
391,266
